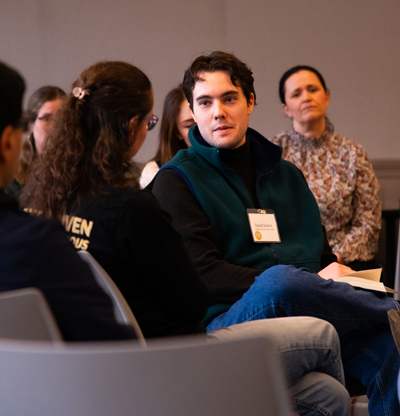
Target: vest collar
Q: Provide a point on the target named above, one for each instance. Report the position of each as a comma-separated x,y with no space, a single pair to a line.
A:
266,155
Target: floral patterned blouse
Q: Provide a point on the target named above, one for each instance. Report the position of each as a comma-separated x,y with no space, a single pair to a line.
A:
343,182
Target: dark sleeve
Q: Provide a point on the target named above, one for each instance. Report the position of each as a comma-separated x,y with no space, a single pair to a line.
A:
226,282
160,257
327,255
41,256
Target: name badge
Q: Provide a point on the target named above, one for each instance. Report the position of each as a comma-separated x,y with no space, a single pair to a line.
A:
264,228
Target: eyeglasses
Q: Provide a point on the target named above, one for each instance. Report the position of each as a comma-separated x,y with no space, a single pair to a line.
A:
46,118
151,122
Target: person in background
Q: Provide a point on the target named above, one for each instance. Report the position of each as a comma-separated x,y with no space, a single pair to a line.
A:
337,170
38,120
85,180
175,124
36,252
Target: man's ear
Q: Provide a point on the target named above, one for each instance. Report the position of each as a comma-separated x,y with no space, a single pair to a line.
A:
250,104
10,147
7,144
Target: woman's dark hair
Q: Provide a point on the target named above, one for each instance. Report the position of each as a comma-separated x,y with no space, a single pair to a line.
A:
89,150
28,150
238,72
170,142
294,70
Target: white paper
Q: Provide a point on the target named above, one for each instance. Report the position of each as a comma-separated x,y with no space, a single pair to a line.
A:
364,279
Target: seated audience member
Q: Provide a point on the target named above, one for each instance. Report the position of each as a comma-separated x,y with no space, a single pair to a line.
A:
337,170
37,253
85,180
254,274
38,118
175,124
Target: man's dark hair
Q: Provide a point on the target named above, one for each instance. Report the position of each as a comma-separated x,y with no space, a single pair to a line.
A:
12,88
294,70
239,73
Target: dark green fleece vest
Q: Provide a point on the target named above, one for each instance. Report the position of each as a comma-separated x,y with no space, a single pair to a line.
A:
224,199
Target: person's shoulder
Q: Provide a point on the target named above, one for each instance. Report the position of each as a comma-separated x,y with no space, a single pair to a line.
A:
24,222
152,164
142,197
149,171
138,201
281,138
31,239
291,170
350,146
289,166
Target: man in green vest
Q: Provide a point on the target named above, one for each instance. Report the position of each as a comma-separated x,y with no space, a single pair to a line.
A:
253,230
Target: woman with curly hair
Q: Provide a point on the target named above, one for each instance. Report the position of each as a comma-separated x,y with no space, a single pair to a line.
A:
175,124
38,121
86,179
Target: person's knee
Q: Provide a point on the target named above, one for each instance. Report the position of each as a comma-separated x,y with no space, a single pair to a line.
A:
320,394
326,332
280,282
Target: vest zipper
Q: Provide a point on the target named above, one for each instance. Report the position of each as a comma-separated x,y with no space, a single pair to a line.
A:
275,255
276,261
244,186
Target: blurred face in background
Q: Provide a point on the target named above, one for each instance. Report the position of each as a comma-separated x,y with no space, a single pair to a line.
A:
42,126
184,121
306,99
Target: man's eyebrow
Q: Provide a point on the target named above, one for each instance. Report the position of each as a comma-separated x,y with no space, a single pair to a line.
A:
207,97
203,97
232,92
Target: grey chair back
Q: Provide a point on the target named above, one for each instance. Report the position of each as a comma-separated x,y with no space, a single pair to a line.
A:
178,377
25,315
122,312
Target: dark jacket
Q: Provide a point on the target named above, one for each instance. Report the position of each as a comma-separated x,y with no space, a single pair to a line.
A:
129,234
37,253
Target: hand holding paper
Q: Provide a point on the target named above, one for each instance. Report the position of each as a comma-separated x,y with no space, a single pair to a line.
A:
334,270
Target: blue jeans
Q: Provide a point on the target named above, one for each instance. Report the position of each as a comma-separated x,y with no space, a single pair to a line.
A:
360,318
309,349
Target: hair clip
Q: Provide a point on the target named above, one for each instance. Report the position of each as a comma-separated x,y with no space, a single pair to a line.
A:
80,93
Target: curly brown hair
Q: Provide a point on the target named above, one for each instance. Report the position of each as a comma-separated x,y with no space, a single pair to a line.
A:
89,150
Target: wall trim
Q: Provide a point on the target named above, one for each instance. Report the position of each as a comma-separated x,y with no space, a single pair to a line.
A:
388,173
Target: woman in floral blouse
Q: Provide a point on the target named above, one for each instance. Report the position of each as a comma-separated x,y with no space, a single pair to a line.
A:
337,170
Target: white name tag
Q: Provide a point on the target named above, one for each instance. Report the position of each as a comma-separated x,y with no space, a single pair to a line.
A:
264,228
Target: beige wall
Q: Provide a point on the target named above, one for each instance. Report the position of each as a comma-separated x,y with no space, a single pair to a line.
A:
388,174
355,44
